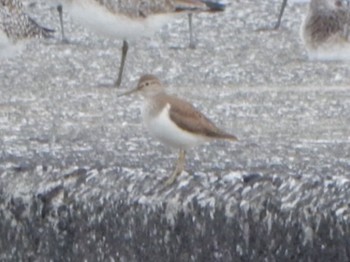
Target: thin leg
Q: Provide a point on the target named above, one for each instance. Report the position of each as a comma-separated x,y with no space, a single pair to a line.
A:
346,27
192,44
122,62
60,14
180,166
278,23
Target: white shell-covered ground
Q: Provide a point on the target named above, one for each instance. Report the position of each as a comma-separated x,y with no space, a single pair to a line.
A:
58,121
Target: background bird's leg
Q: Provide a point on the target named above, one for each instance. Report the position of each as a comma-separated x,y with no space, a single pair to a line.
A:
60,14
180,166
346,27
278,23
192,44
122,62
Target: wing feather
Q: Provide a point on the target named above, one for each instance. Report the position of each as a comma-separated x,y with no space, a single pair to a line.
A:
190,119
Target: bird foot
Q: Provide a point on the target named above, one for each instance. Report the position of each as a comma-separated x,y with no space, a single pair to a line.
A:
117,83
173,177
65,41
192,45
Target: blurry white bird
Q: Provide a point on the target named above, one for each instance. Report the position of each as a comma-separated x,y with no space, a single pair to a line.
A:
131,19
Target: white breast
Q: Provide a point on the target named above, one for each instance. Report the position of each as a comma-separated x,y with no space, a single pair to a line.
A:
335,48
8,48
97,18
162,128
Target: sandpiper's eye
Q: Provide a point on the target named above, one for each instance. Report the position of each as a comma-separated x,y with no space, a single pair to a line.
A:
147,84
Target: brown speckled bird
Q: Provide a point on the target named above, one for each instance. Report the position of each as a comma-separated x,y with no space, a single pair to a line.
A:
16,25
325,30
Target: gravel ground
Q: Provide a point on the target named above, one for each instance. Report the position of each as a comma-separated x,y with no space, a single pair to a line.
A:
288,112
291,115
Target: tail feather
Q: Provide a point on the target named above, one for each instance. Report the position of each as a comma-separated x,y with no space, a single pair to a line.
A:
214,6
47,32
230,137
40,30
220,134
189,5
200,5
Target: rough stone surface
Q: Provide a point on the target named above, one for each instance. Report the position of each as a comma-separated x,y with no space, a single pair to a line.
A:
80,180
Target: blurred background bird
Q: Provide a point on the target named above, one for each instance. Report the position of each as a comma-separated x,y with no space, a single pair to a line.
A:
325,30
16,27
132,19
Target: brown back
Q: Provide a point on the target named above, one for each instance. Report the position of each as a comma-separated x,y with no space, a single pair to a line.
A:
189,118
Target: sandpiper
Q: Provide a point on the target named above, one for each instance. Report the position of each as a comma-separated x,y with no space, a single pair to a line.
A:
16,27
325,30
129,19
173,121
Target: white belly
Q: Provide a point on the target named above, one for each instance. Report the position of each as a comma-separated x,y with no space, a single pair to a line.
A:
162,128
97,18
335,48
4,41
8,48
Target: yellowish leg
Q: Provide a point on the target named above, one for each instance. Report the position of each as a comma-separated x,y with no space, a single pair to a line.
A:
180,166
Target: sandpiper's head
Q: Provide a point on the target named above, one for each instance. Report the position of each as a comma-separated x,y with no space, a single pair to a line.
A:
148,86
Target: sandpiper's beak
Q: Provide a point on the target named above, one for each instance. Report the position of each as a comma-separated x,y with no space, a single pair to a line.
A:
128,92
